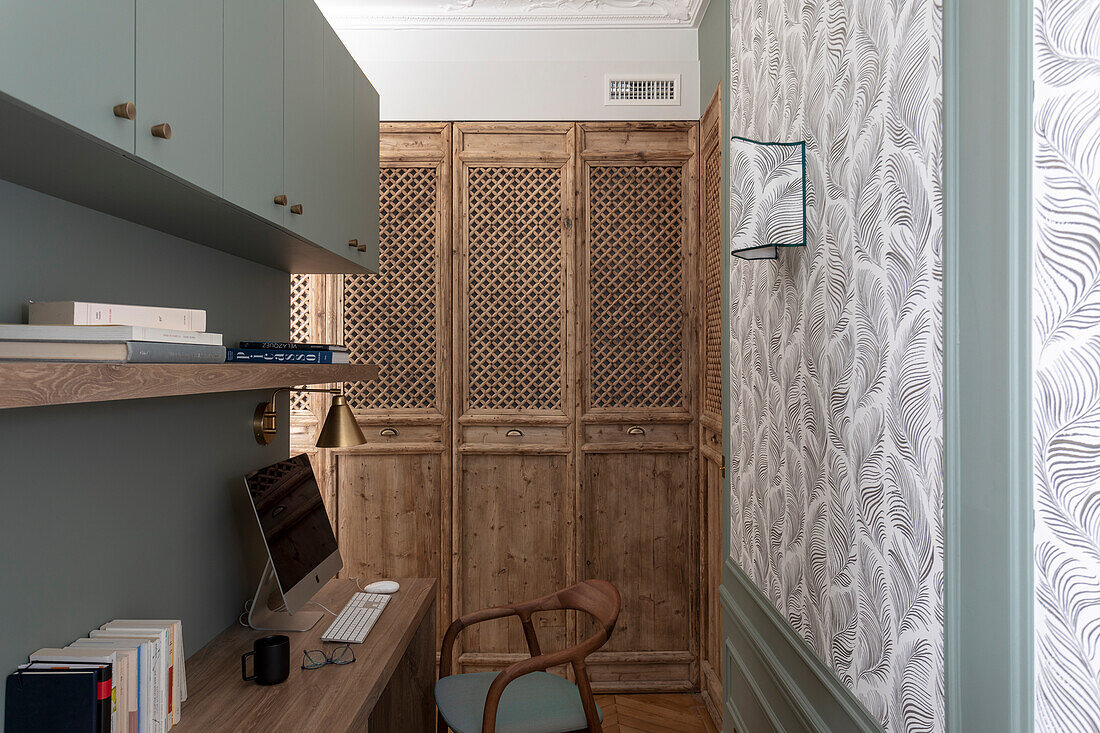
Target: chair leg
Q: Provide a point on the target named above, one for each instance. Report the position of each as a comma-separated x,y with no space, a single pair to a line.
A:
591,714
440,724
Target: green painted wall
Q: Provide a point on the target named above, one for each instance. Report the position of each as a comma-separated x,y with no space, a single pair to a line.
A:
126,508
714,30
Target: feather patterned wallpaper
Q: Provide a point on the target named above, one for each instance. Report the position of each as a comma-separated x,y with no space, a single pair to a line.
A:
1066,359
836,350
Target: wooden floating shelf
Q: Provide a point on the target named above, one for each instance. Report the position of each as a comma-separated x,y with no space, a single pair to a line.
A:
33,383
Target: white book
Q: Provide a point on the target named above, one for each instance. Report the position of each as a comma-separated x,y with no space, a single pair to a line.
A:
117,661
139,700
78,313
158,666
24,332
177,651
173,690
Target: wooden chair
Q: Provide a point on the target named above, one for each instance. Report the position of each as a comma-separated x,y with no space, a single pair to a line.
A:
538,702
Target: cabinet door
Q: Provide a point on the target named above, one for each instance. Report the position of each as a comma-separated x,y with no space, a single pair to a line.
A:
393,493
514,390
336,197
254,106
74,61
179,83
710,390
365,184
638,493
304,98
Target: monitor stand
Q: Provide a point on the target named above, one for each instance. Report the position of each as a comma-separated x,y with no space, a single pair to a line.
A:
263,618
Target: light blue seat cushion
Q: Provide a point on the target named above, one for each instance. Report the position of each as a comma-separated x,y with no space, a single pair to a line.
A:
534,703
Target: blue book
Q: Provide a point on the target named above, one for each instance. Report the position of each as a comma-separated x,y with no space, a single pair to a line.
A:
285,356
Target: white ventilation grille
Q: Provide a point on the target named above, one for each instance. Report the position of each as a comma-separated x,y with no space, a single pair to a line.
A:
648,89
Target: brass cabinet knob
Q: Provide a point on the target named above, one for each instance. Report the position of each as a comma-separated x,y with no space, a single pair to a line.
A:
296,209
126,110
280,200
163,131
387,432
636,430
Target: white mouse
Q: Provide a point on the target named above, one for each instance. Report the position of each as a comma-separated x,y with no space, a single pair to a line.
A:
383,586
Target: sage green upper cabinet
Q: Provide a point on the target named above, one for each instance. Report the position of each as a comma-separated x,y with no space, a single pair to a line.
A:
337,195
253,161
179,84
73,60
364,211
303,118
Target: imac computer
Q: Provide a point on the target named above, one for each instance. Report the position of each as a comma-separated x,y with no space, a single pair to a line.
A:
301,550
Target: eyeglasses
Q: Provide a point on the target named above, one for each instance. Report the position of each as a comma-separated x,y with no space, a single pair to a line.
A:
316,658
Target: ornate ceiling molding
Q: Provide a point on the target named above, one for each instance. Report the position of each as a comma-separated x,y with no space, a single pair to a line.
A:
394,14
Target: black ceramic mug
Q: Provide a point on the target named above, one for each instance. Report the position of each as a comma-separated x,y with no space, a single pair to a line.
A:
271,660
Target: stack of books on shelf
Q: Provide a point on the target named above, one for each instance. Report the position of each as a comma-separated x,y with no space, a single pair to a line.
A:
100,332
127,676
287,352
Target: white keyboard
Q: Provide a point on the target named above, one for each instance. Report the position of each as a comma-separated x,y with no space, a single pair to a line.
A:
357,619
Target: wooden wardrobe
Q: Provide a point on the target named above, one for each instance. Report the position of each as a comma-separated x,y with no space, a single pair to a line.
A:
537,322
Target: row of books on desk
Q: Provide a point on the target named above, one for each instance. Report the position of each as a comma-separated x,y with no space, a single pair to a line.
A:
126,677
99,332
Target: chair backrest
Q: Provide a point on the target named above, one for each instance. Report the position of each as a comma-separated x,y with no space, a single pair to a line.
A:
598,598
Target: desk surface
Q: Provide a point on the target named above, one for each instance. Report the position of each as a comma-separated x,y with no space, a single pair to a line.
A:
332,698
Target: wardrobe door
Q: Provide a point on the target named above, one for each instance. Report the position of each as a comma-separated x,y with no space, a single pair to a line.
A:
514,494
711,463
638,463
393,492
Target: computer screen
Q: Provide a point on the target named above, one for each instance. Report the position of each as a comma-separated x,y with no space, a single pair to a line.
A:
295,526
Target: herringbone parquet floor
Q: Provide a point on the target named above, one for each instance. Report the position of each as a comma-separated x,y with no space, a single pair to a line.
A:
658,713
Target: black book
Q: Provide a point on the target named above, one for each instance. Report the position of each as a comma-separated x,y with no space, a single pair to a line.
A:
290,346
56,701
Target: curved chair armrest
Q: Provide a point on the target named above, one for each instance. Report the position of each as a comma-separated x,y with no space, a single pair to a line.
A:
463,622
540,663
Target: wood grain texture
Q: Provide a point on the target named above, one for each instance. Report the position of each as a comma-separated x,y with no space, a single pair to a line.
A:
657,713
710,406
512,522
333,698
637,535
31,383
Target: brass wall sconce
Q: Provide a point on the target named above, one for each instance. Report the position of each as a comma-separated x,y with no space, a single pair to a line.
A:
340,429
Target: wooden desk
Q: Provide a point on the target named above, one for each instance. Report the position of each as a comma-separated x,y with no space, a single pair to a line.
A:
387,689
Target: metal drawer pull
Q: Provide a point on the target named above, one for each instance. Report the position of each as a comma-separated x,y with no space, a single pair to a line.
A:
514,433
636,430
387,432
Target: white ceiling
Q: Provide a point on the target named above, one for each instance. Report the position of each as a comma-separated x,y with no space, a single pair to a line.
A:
373,14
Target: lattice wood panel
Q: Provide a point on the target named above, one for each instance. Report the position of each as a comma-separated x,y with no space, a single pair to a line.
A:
635,272
391,318
515,291
299,327
712,282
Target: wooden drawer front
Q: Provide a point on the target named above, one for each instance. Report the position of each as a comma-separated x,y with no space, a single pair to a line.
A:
515,434
637,433
385,434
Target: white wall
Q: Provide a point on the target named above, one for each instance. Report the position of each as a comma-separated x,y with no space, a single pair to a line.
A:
472,74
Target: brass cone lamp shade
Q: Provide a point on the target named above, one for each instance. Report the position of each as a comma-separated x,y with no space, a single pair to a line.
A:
340,429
